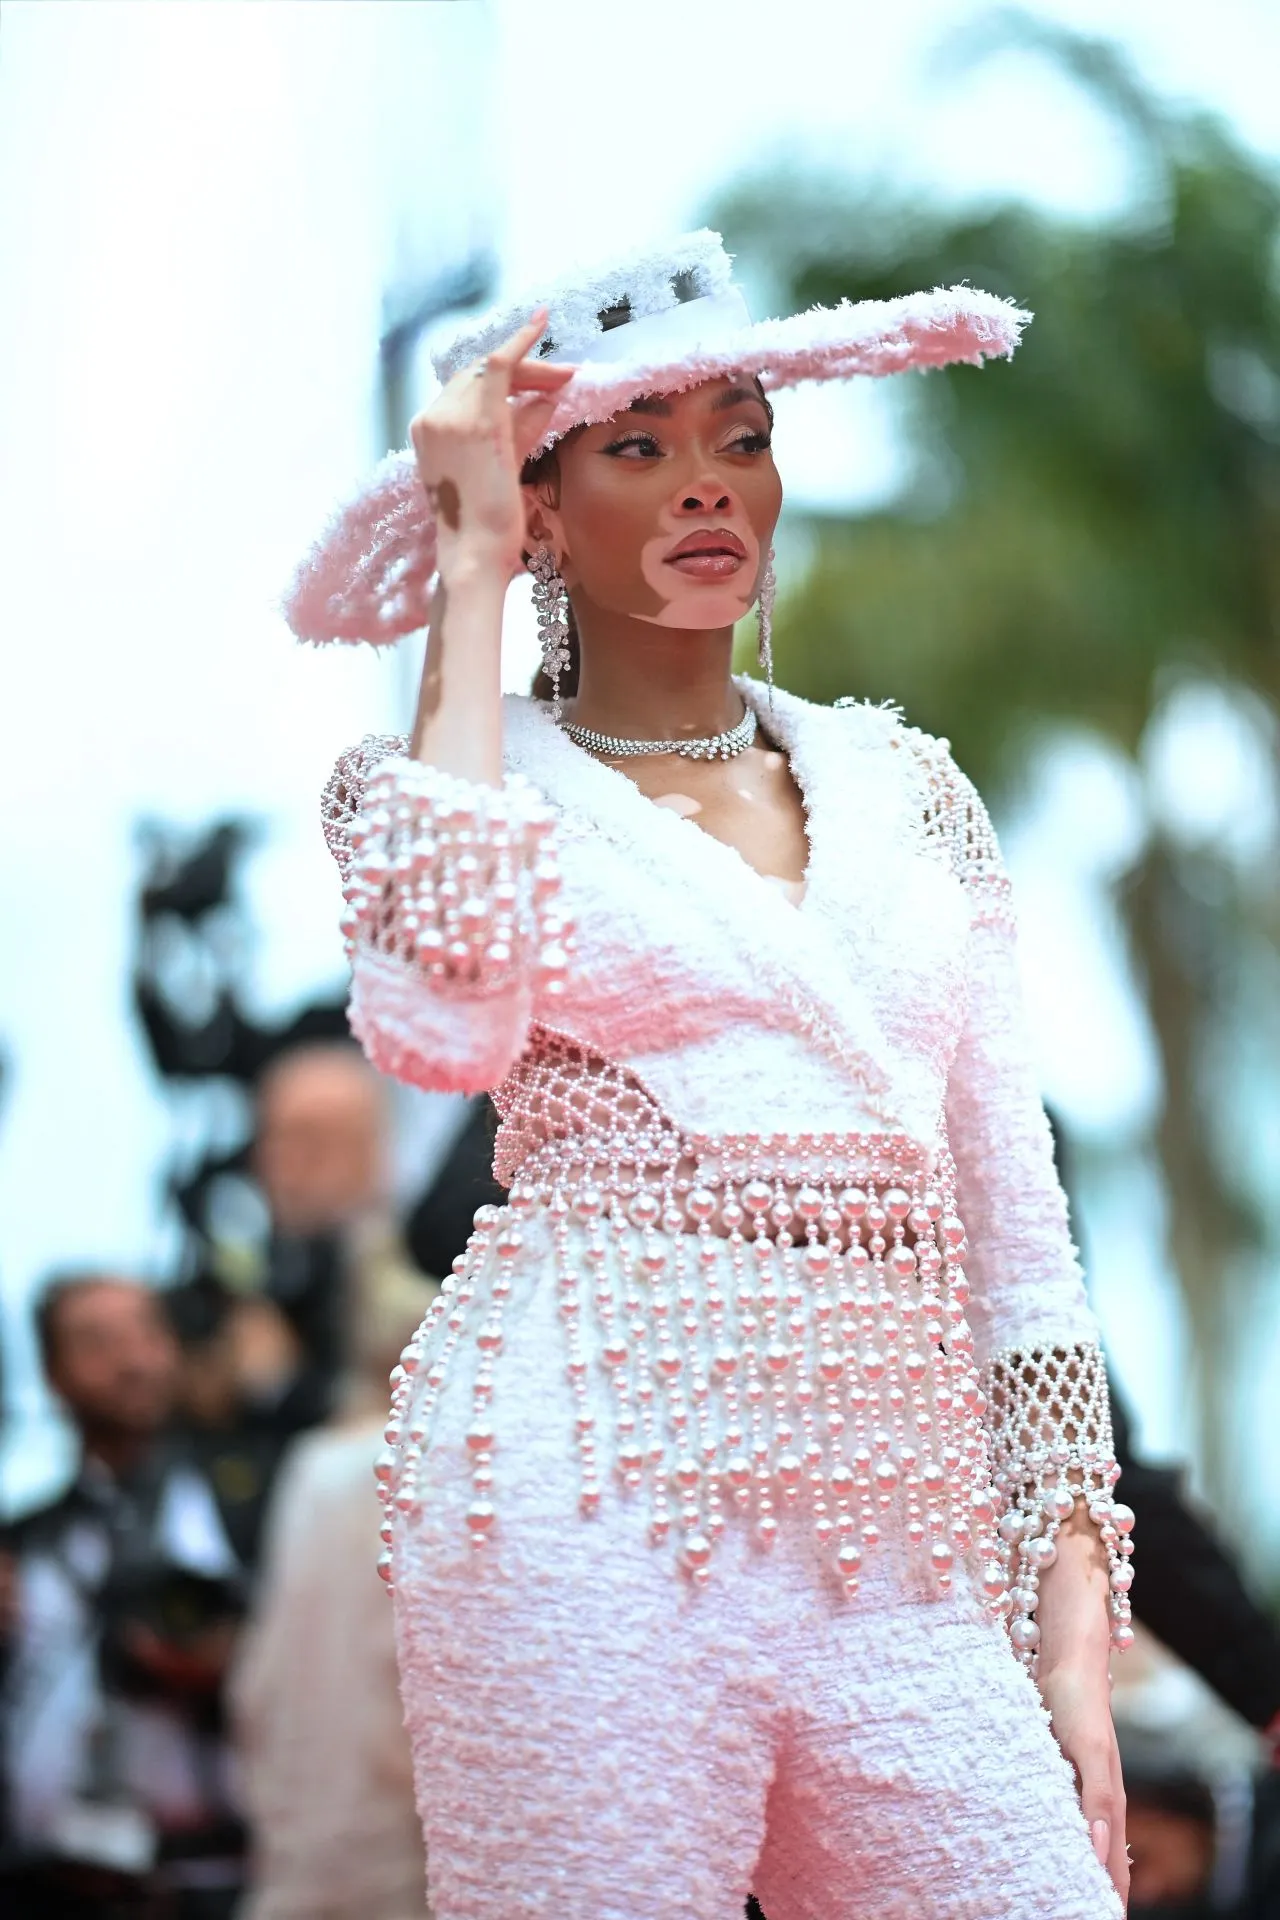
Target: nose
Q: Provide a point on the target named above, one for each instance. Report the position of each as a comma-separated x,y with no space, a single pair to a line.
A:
709,498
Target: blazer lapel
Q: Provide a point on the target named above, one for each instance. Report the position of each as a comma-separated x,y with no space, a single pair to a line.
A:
796,953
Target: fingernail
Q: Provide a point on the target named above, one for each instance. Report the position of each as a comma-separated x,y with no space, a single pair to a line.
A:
1101,1832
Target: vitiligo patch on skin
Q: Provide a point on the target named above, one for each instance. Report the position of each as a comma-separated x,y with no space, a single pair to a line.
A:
698,603
681,803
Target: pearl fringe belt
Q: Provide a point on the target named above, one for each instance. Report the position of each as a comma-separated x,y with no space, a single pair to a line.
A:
781,1331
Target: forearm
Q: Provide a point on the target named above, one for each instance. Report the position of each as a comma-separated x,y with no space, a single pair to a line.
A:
458,726
1074,1678
1074,1613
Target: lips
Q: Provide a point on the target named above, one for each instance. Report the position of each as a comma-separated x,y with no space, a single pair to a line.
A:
710,554
708,540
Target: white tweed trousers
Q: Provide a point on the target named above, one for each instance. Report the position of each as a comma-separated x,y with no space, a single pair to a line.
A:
596,1739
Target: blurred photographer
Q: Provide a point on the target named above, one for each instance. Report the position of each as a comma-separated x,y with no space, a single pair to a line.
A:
128,1597
237,1349
1204,1836
320,1159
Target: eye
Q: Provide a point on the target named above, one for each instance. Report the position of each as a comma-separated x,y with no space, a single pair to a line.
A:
750,440
634,446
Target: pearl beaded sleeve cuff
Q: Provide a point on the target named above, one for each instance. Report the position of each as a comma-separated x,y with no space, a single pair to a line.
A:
1049,1426
453,877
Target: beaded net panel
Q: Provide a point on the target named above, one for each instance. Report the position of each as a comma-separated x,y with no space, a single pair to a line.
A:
1049,1423
1047,1409
564,1108
957,823
343,794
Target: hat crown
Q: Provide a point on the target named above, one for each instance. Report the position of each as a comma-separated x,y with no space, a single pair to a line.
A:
590,301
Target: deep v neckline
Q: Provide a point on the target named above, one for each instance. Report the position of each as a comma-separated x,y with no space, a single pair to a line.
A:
775,725
802,951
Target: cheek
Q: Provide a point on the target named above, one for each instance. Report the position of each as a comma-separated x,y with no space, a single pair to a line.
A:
607,531
762,503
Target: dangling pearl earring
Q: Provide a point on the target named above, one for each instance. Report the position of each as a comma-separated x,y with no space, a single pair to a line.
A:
764,619
551,601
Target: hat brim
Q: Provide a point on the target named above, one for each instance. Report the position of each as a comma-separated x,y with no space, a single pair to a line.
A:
368,577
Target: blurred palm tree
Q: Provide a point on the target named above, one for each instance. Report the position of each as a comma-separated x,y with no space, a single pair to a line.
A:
1083,531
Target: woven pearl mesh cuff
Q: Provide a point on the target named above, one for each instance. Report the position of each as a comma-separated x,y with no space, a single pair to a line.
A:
343,795
1049,1427
452,876
958,824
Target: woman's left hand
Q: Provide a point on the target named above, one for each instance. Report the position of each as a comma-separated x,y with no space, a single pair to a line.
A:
1081,1713
1075,1652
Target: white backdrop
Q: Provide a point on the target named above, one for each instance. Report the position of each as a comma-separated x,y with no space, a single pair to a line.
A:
201,208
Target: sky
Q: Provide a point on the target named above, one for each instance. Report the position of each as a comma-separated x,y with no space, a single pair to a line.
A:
661,114
201,210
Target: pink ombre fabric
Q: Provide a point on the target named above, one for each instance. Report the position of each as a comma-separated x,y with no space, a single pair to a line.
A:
368,576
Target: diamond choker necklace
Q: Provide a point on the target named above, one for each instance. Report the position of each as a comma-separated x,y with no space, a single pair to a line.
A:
715,746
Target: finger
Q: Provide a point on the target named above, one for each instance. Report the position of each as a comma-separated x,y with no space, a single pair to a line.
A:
518,344
529,376
1118,1857
1098,1804
529,423
498,370
1095,1788
1118,1870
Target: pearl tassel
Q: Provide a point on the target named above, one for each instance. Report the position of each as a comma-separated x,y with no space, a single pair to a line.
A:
457,878
766,1322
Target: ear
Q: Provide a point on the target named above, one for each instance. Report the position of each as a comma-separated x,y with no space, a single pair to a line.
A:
541,522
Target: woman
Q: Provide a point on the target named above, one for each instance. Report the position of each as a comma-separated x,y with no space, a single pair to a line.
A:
700,1575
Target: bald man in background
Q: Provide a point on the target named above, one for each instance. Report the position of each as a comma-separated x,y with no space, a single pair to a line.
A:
321,1158
271,1329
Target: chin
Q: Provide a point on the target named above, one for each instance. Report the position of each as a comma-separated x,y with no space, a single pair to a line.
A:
705,607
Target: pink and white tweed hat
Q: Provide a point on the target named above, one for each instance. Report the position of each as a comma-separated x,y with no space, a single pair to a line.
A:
658,320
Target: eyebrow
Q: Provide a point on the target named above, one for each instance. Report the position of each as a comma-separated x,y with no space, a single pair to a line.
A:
734,397
653,403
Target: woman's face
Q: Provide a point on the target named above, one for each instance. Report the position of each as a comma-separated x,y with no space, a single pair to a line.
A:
666,512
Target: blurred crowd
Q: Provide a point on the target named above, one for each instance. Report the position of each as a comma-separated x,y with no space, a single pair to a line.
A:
200,1717
199,1707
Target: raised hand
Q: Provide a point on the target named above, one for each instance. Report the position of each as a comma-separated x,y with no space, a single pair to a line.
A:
471,443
